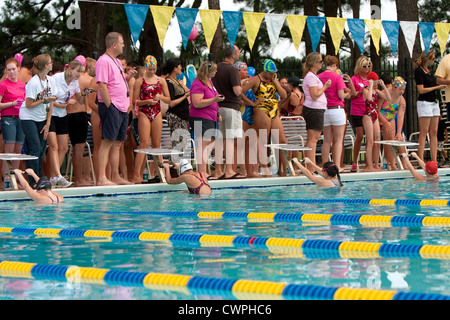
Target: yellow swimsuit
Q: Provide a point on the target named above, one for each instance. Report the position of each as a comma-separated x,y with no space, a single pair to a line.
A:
268,91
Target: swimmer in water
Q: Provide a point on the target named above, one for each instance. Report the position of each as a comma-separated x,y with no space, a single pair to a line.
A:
329,172
430,168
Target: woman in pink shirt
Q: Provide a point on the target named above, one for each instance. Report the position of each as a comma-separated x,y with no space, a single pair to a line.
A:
12,94
335,119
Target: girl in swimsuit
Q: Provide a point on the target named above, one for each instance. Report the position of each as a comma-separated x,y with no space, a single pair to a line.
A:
329,173
389,112
195,181
147,93
370,121
42,192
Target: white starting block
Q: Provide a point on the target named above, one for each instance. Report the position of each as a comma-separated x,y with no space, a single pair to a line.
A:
8,157
285,148
156,153
397,143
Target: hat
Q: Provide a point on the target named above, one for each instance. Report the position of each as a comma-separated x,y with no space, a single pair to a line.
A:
431,167
372,76
339,72
150,61
43,184
269,66
294,81
239,65
81,59
184,166
398,82
251,71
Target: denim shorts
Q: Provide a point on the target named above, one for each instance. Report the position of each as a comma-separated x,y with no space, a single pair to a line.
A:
12,131
114,122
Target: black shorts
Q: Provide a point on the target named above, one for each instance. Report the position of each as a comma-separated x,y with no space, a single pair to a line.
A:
313,118
357,121
60,125
206,125
114,122
78,126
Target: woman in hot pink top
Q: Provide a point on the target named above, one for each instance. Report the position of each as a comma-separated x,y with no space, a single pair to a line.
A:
334,118
12,95
358,106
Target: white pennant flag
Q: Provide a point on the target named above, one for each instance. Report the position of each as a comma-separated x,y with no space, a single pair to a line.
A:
409,29
274,24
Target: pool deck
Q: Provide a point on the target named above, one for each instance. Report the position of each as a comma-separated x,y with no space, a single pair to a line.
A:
17,195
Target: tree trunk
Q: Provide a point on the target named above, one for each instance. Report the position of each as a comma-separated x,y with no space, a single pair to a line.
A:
88,14
216,44
356,53
331,9
374,57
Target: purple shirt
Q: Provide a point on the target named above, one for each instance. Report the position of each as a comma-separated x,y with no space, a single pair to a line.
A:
312,80
358,105
208,112
109,70
337,83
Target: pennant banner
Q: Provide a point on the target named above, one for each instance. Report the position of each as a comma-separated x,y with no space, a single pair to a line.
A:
136,15
161,18
296,25
274,24
409,29
336,26
357,28
315,27
374,27
252,22
426,31
391,29
186,19
232,21
442,31
210,21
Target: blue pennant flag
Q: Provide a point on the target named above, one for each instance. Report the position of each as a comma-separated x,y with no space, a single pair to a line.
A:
427,30
136,14
186,19
232,21
315,27
357,28
391,28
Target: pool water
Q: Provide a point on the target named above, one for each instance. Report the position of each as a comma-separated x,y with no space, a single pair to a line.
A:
125,213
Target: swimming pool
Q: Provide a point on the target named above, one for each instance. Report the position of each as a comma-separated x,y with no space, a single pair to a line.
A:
237,236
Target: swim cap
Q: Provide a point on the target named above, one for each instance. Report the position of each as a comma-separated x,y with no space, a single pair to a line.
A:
82,59
269,66
150,61
294,81
372,76
431,167
184,166
239,65
43,184
339,72
399,82
251,71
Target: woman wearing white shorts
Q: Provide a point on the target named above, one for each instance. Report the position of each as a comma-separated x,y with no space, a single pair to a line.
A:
428,109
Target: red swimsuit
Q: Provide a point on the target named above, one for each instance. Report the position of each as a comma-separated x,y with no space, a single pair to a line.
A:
149,91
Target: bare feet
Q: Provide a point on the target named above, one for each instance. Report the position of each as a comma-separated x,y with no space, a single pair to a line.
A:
83,183
122,181
105,182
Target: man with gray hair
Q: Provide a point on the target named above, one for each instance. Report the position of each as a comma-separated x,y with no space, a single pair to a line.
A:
228,84
113,104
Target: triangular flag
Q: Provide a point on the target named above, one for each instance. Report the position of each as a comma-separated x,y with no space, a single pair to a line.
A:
336,26
442,30
357,27
274,24
391,30
374,27
296,26
252,22
426,30
315,27
210,21
409,29
136,14
161,18
232,21
186,19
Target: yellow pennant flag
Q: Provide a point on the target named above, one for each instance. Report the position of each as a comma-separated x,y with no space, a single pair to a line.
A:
210,21
161,18
336,26
252,22
442,30
296,26
374,27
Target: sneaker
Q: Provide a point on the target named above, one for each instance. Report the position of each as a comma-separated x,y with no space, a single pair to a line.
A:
54,182
63,183
354,168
